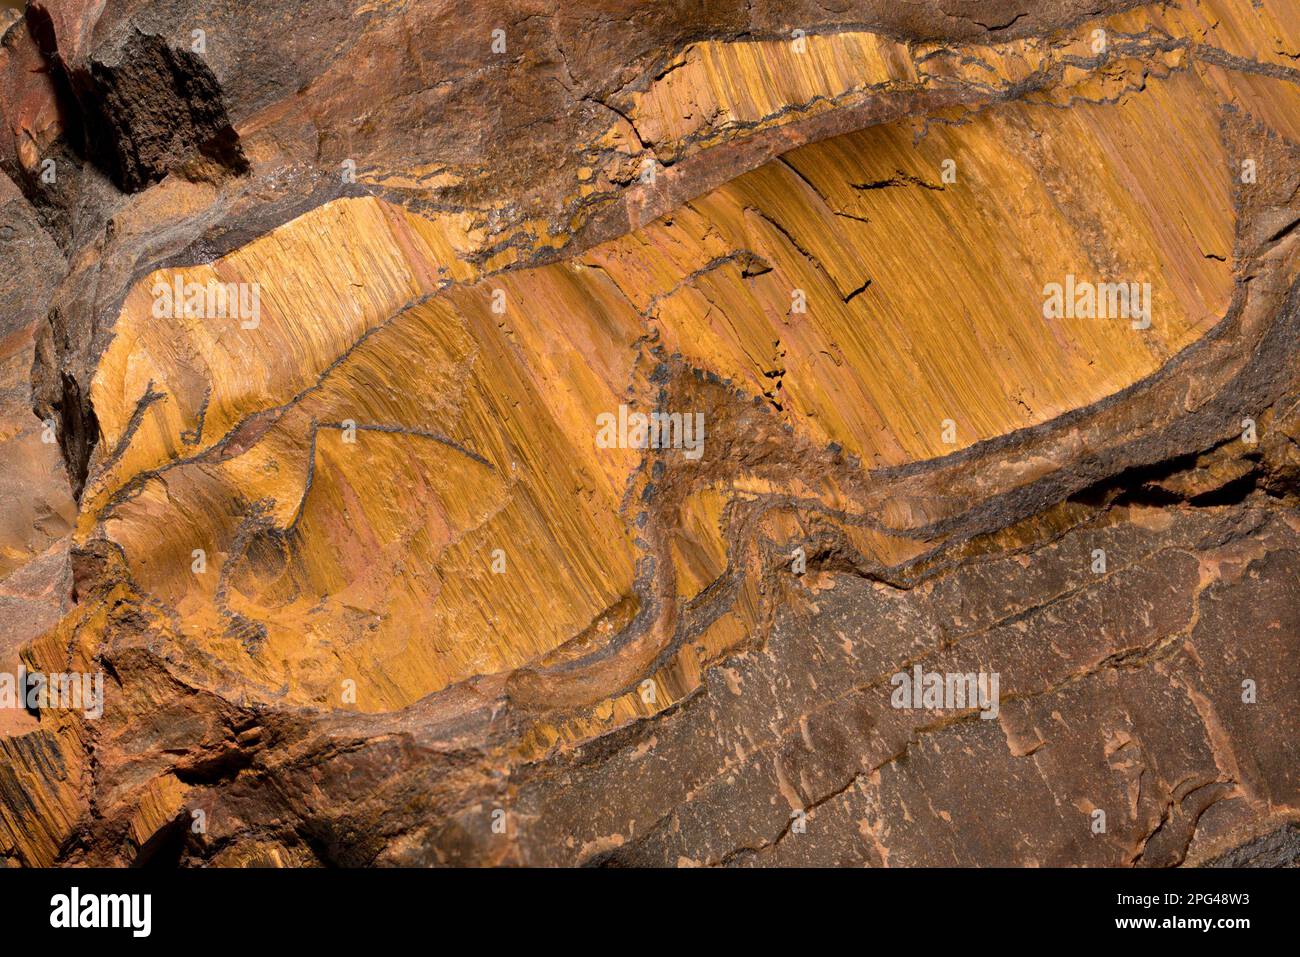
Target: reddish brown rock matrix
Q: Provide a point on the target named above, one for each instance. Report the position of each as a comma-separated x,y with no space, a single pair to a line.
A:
330,339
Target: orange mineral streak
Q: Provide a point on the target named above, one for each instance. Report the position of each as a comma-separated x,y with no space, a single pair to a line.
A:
392,479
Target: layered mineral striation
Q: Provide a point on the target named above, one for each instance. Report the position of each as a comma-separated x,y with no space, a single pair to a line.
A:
628,433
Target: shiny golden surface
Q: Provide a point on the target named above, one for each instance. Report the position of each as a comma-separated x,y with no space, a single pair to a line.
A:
368,553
